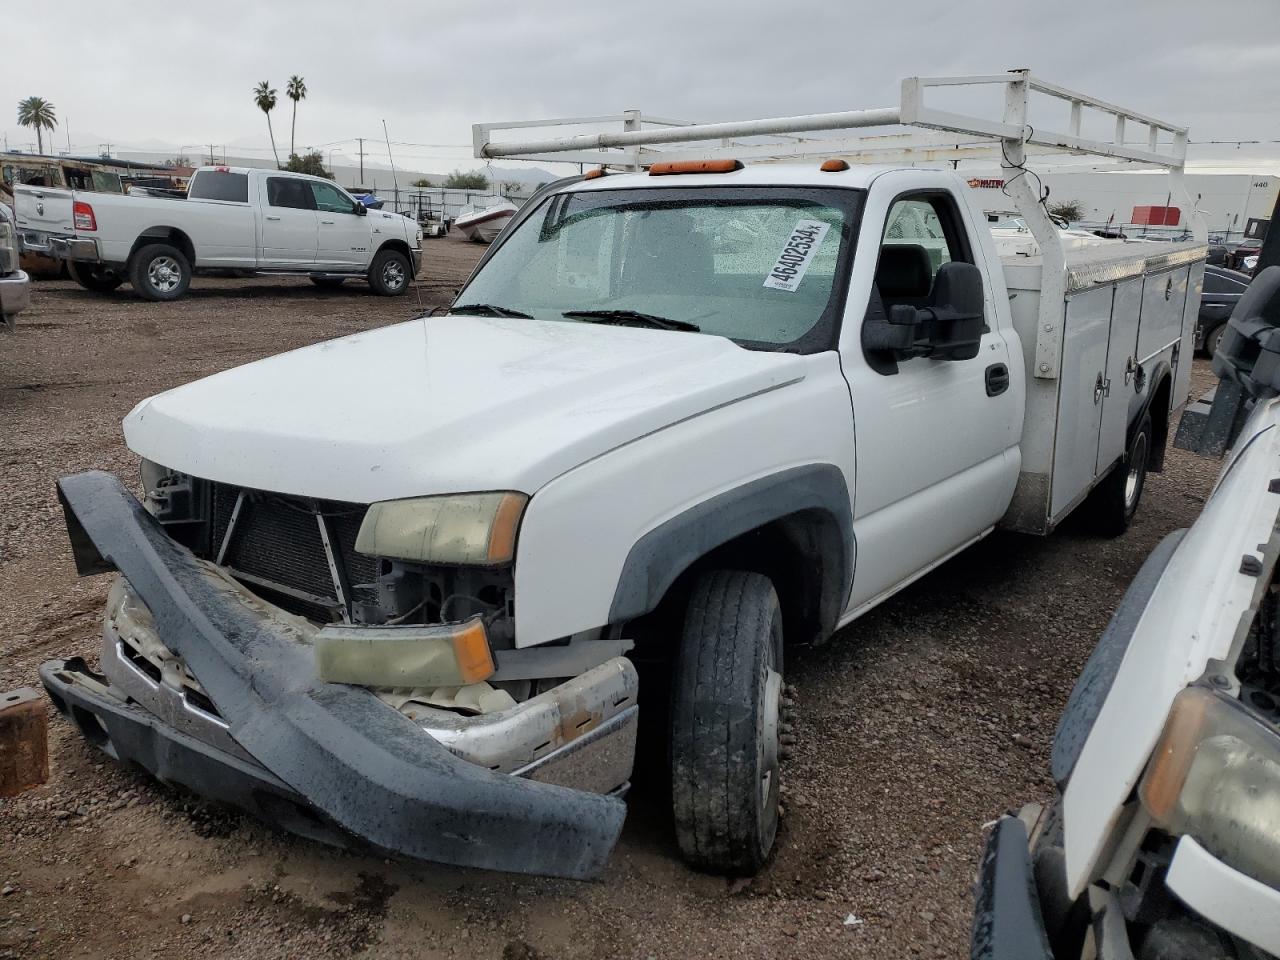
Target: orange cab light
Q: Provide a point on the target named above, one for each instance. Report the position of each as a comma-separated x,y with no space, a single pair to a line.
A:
667,169
471,650
834,165
592,174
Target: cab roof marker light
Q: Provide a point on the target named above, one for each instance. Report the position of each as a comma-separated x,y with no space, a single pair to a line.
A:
667,169
592,174
834,165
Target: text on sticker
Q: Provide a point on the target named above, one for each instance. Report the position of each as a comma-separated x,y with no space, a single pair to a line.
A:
797,253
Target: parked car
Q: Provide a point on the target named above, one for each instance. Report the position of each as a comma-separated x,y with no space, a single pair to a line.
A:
15,285
1222,291
234,218
1163,840
389,583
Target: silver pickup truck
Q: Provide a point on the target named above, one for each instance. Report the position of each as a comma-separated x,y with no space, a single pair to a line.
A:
233,218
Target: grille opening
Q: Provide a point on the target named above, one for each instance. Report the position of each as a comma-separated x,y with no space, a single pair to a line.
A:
141,662
201,702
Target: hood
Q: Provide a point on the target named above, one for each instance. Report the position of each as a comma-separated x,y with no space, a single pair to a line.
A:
1191,618
444,405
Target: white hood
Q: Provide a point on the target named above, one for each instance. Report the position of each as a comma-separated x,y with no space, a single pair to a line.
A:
444,405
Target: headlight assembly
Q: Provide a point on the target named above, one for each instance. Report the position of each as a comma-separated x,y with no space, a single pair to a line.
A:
472,529
1215,775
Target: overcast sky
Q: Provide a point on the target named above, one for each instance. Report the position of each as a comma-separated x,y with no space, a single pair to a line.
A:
183,75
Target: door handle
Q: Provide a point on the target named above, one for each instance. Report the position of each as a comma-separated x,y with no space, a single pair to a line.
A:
273,218
1101,388
997,379
326,221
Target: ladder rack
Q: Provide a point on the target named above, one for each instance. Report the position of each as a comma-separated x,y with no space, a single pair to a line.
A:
911,133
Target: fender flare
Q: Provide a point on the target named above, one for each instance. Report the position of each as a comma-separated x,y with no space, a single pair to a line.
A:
662,554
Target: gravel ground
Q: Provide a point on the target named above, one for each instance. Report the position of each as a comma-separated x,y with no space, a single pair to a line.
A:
917,725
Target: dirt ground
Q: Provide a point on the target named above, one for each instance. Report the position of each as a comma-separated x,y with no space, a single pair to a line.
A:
917,725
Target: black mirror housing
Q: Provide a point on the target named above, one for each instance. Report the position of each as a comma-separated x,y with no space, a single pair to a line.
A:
360,209
949,328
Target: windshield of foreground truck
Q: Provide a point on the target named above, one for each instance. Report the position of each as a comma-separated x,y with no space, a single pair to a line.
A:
764,266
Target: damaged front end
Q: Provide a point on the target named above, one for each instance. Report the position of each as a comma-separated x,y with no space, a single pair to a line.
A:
458,748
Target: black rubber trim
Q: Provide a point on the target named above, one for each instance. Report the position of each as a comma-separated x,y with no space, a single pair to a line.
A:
661,555
1091,690
133,736
366,766
1007,924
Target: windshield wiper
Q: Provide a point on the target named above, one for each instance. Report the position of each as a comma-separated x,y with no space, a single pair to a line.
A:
489,310
627,318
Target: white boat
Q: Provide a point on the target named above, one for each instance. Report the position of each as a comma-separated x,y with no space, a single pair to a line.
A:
483,223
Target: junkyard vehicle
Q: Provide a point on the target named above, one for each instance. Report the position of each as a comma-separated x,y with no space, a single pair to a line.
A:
1164,840
15,286
1223,289
402,582
234,218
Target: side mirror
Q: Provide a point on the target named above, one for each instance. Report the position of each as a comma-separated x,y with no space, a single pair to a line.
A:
950,327
360,210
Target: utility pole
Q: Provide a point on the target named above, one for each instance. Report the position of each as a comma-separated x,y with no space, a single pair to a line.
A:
360,140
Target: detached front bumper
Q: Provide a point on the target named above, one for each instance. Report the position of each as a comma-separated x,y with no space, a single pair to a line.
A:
328,755
1007,924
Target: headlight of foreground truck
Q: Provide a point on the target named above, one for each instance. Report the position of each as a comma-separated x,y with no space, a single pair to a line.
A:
1215,775
473,529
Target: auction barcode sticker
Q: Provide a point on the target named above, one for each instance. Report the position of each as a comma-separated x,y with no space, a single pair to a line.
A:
797,253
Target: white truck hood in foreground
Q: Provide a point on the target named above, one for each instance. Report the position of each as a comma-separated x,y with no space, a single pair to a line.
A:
444,405
1190,619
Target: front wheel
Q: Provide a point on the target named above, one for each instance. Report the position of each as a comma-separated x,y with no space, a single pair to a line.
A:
389,274
1114,502
725,723
94,276
160,272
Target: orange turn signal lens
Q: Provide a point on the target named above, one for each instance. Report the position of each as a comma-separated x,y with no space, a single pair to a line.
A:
471,650
834,165
667,169
506,522
592,174
1173,754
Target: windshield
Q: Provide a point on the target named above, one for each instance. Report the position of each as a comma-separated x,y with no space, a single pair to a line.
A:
764,266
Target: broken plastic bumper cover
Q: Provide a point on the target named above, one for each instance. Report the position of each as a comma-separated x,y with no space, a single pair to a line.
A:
1007,924
359,763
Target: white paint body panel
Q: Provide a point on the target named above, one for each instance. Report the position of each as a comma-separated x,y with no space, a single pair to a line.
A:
1226,897
446,405
606,505
1189,620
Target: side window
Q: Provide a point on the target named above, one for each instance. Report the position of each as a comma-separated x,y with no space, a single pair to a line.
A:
287,192
329,198
1216,283
921,233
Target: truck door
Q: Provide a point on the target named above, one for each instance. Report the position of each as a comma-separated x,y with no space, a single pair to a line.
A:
289,223
343,236
936,440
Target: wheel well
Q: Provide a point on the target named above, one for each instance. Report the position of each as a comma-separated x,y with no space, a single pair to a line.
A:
1159,410
166,235
802,554
399,245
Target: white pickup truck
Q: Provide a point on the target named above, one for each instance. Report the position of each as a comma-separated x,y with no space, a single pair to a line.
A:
409,585
233,218
1163,842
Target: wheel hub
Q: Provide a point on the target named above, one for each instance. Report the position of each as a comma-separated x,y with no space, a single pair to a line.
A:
164,274
1137,468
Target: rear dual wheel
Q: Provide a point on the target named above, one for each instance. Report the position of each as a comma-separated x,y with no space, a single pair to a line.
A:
1114,501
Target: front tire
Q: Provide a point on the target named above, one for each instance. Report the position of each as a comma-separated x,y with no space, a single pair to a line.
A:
1115,501
160,272
725,723
94,277
390,273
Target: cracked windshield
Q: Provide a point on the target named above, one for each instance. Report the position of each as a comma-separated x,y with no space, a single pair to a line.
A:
757,265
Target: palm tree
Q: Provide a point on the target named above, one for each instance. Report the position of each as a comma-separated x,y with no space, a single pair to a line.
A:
295,90
37,112
265,98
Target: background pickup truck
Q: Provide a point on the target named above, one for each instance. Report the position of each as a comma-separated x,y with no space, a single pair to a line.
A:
233,218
